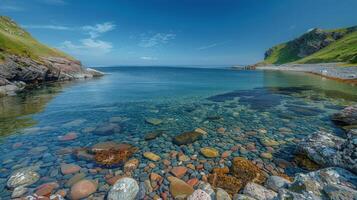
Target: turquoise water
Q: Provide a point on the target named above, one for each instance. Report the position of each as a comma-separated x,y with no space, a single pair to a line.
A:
237,109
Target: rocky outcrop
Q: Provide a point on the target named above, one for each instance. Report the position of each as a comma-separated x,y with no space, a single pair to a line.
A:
16,72
347,118
329,150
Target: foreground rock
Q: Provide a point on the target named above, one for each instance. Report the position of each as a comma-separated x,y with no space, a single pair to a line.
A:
124,188
259,192
23,177
179,188
346,117
329,150
83,189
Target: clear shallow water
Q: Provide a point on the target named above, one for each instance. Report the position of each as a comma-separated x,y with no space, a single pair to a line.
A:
252,106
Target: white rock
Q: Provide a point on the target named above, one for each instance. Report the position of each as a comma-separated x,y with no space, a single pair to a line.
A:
222,195
199,195
259,192
18,192
124,188
23,177
276,182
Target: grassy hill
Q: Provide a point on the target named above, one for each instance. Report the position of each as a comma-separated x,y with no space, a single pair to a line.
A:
317,46
17,41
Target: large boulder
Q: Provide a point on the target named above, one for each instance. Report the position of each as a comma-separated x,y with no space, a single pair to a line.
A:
247,171
23,177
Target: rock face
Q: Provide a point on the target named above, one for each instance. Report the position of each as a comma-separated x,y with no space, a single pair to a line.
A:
23,177
329,150
124,188
16,72
187,137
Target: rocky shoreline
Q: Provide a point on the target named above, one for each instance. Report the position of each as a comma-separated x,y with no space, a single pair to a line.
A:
179,176
327,70
17,73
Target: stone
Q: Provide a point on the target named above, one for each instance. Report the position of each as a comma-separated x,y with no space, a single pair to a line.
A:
107,129
193,182
186,138
246,171
269,142
83,189
179,188
113,180
124,188
259,192
151,156
111,145
226,154
306,163
46,189
347,116
209,152
114,156
221,130
179,171
153,135
325,183
74,179
222,194
200,130
229,183
131,165
19,192
276,182
69,168
199,195
69,136
266,155
23,177
153,121
243,197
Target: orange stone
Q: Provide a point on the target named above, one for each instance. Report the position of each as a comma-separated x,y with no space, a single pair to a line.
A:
179,171
192,182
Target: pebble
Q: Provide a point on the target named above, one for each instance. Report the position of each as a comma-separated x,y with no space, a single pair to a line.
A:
69,168
151,156
83,189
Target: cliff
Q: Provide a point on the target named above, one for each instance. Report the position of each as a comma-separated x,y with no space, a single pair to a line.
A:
24,61
317,46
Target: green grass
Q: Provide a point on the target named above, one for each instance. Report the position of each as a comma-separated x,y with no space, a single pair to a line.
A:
15,40
343,50
282,53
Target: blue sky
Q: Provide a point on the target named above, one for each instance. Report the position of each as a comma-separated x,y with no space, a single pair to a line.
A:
174,32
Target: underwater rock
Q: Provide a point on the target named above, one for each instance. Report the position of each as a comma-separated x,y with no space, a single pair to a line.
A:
83,189
209,152
107,129
151,156
246,171
305,163
23,177
153,135
276,182
113,157
348,116
186,138
179,171
153,121
69,136
69,168
179,188
229,183
199,195
222,194
105,146
131,165
124,188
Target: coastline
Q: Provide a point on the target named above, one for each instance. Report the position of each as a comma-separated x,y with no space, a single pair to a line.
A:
326,70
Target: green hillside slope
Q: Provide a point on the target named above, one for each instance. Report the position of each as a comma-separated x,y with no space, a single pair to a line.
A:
317,46
15,40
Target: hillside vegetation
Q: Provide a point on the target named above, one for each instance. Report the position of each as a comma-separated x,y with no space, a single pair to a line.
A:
15,40
317,46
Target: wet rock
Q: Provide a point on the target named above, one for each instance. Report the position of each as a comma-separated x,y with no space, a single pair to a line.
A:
179,188
46,189
113,157
110,145
209,152
186,138
269,142
125,188
266,155
229,183
348,116
326,183
83,189
107,129
276,182
131,165
153,135
74,179
19,192
200,130
23,177
69,168
68,136
259,192
207,188
153,121
247,171
222,195
199,195
305,163
151,156
179,171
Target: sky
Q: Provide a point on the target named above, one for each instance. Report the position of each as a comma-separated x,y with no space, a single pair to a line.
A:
174,32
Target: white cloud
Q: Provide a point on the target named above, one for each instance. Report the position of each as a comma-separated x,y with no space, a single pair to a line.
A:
10,8
148,58
91,45
210,46
157,39
98,29
52,27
